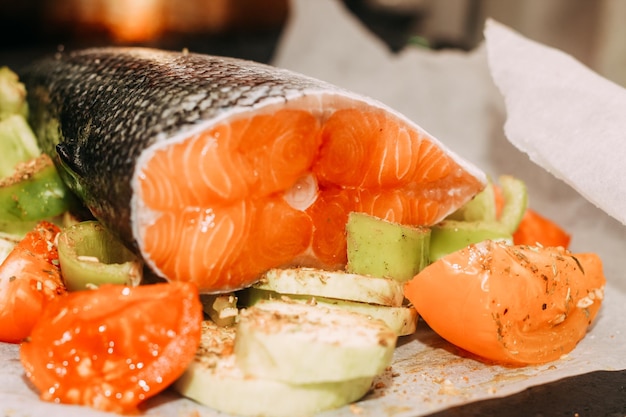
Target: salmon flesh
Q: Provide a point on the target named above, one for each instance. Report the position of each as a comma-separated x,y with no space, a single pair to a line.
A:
216,169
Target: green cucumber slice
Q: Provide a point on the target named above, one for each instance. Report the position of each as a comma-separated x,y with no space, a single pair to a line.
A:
33,192
451,235
17,144
12,94
90,255
480,208
333,284
515,197
221,308
302,343
401,320
381,248
215,380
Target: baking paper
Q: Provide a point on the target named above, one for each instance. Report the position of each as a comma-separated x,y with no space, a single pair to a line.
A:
452,95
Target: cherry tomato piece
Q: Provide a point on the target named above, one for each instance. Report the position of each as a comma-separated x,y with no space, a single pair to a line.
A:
113,347
29,277
510,304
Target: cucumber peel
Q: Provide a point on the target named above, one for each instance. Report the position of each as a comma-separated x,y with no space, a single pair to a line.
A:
90,255
215,380
382,248
302,343
333,284
401,320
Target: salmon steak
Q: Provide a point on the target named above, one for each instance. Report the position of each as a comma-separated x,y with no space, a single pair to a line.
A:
216,169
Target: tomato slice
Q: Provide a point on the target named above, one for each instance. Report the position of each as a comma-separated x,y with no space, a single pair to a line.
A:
113,347
510,304
29,277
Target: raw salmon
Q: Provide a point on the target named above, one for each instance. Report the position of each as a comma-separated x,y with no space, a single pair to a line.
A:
216,169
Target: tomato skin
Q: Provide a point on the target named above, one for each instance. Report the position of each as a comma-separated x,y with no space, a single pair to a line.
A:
534,228
113,347
29,277
510,304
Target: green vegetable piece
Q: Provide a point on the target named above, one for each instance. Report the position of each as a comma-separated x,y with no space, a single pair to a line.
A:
381,248
12,94
17,144
90,255
480,208
451,235
515,202
34,192
221,308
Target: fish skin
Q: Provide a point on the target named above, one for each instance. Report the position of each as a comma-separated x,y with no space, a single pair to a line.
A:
103,106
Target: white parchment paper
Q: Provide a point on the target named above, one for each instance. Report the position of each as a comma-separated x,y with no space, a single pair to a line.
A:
452,95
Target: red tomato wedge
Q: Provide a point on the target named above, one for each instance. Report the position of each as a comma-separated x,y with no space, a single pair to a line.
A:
510,304
29,277
534,228
113,347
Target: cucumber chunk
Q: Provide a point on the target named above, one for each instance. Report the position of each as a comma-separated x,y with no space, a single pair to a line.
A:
401,320
451,235
515,197
12,94
221,308
90,255
333,284
17,144
381,248
301,343
480,208
215,380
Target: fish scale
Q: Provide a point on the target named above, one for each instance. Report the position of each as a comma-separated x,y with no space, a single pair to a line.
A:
103,113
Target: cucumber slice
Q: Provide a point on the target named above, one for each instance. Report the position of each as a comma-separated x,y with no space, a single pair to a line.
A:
215,380
515,202
301,343
33,192
12,94
450,235
401,320
18,144
480,208
381,248
221,308
333,284
90,255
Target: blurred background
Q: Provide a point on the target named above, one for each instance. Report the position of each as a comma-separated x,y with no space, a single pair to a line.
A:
594,31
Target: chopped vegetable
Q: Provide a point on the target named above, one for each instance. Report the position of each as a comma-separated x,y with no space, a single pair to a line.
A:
536,229
29,278
382,248
12,94
300,343
113,347
333,284
221,308
452,235
90,255
17,143
214,379
510,304
33,192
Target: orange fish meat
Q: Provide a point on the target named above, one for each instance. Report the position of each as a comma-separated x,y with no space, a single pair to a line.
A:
216,169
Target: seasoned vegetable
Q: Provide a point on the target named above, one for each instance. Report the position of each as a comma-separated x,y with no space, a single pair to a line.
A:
90,255
333,284
401,320
381,248
17,143
511,304
302,343
221,308
112,348
214,379
33,192
29,278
